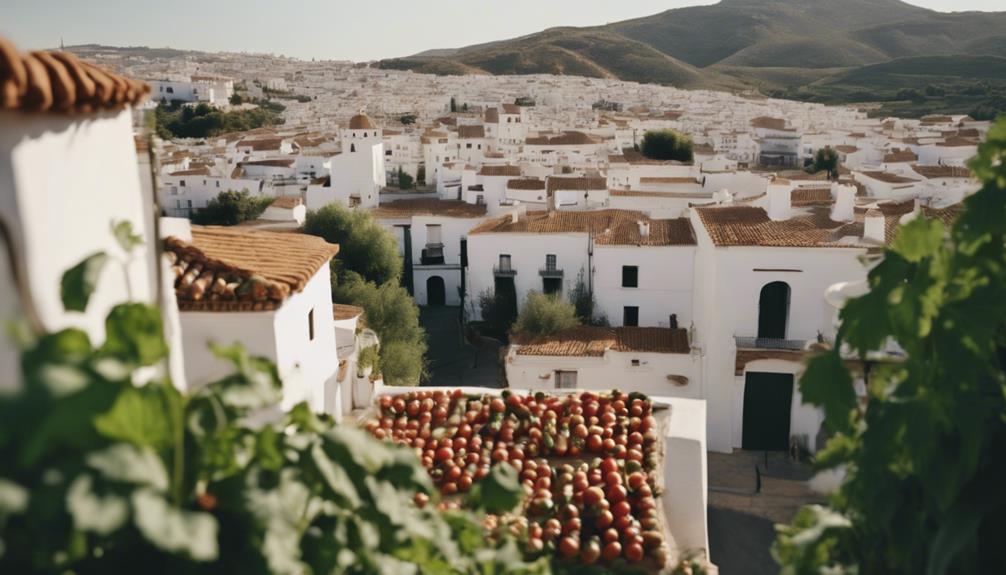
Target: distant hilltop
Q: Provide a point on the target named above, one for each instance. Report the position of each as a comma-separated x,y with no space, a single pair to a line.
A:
807,49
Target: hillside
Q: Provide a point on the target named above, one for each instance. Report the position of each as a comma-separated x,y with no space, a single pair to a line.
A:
801,47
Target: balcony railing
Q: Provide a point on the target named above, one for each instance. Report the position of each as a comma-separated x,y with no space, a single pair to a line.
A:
770,343
504,272
432,255
550,272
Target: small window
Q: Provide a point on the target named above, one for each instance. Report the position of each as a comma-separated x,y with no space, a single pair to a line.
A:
480,200
469,146
630,276
352,147
630,316
218,183
504,261
181,183
190,204
565,380
635,363
550,262
310,325
170,90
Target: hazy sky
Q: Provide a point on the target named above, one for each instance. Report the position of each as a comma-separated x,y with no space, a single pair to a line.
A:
336,29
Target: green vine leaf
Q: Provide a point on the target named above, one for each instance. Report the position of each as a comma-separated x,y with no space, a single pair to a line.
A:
127,239
174,530
79,282
138,416
134,332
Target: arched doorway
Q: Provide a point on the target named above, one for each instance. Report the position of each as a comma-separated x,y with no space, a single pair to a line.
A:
436,291
773,311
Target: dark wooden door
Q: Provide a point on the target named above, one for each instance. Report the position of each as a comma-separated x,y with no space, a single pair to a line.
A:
436,292
768,400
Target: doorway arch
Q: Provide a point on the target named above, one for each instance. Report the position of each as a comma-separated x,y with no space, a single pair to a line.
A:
436,291
773,311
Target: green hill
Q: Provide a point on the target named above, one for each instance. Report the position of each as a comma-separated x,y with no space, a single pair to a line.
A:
805,48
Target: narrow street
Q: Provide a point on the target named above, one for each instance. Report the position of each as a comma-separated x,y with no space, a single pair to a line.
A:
741,521
452,361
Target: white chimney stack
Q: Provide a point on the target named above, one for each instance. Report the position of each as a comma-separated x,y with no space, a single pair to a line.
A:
843,210
644,228
874,227
779,201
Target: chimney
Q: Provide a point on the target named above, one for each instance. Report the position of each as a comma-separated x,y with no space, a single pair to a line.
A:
779,201
644,228
845,202
874,227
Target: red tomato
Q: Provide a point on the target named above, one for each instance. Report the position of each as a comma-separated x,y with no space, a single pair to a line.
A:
569,547
634,552
612,551
621,509
465,482
497,405
604,519
636,480
591,552
613,478
616,493
610,535
593,496
595,443
421,499
445,453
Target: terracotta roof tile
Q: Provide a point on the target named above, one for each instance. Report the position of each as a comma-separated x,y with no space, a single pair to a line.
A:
273,163
897,156
192,172
477,131
889,178
609,227
497,170
930,172
60,82
570,138
589,341
525,184
576,183
802,197
343,311
261,144
751,226
287,202
236,269
428,207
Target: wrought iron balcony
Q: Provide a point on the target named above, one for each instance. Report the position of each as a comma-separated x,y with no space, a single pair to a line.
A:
770,343
504,272
550,272
433,254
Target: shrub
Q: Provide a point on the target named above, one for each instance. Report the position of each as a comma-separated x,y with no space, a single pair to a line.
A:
545,314
667,145
230,208
364,246
499,310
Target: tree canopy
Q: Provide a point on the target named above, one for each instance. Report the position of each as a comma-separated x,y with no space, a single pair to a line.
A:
667,144
826,160
544,314
364,246
367,273
230,208
175,120
923,453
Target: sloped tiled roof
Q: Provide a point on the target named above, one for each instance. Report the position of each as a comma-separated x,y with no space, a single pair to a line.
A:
889,178
930,172
60,82
237,269
751,226
897,156
570,138
802,197
525,184
589,341
496,170
477,131
428,207
609,227
576,183
344,311
261,144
